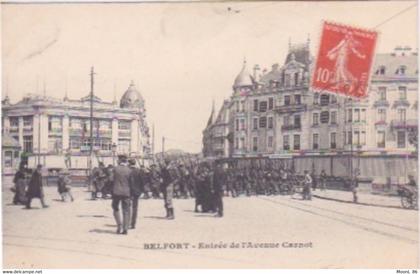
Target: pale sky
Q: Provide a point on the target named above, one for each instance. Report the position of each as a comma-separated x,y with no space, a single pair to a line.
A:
181,56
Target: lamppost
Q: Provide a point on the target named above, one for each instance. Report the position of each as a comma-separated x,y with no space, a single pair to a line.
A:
114,151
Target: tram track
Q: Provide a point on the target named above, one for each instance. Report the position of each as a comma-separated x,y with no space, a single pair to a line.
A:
355,223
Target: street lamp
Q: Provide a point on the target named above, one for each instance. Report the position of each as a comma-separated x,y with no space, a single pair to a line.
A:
114,151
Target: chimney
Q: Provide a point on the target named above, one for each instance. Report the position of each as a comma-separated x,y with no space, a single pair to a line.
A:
256,69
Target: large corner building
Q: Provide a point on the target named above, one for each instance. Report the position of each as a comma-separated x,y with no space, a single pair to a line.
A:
275,115
50,130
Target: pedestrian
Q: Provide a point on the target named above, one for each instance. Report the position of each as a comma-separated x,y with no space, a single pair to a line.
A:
20,181
169,178
306,192
219,177
67,158
323,180
354,185
64,185
107,188
314,180
155,181
121,193
136,186
35,188
98,180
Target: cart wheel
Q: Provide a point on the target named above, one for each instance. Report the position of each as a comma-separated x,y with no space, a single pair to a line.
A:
406,202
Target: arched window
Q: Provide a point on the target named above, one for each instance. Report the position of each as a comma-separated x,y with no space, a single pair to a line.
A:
381,70
401,70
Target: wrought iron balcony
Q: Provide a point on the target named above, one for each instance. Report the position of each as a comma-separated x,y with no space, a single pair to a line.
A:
291,108
401,103
291,127
381,103
407,124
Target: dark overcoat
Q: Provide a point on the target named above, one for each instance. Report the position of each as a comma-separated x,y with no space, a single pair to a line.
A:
35,189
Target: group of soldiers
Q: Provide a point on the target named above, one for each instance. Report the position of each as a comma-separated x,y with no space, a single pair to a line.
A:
207,182
190,180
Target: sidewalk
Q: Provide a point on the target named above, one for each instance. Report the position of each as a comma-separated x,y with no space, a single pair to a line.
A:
364,198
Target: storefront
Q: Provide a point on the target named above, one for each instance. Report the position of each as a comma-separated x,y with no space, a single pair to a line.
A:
10,155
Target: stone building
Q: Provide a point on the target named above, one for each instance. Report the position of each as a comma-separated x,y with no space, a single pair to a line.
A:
50,129
275,115
215,135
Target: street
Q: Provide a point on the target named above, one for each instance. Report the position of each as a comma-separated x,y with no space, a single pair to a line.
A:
267,232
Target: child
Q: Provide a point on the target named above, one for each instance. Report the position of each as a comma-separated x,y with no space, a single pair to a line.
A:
63,185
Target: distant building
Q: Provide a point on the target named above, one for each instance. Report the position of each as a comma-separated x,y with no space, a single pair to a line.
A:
215,135
275,115
49,129
10,149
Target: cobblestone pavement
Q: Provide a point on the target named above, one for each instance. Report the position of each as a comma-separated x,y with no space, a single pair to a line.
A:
333,235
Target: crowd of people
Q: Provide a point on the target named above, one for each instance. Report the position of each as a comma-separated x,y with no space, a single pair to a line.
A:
207,182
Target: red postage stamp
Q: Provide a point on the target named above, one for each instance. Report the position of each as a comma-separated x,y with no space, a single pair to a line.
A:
344,60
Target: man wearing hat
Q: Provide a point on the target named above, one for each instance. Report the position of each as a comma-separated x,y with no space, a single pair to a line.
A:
136,186
121,193
35,188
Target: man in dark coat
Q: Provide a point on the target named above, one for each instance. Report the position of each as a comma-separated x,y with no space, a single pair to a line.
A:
136,186
219,177
20,181
121,193
35,189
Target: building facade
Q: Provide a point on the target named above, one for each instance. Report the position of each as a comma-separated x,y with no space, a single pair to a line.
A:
275,115
50,129
216,133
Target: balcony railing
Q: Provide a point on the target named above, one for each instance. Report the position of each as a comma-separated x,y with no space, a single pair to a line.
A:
381,103
14,129
55,131
124,133
401,103
406,124
291,108
291,127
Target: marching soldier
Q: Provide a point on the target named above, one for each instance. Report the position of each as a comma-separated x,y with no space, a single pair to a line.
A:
169,178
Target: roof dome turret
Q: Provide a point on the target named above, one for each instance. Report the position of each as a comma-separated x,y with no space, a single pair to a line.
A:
244,78
132,98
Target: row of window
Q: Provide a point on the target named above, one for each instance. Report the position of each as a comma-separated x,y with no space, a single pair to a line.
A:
358,138
56,123
290,79
401,70
325,117
402,93
355,115
381,139
55,144
401,115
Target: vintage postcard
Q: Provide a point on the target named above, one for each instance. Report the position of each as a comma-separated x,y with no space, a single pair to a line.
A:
247,135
